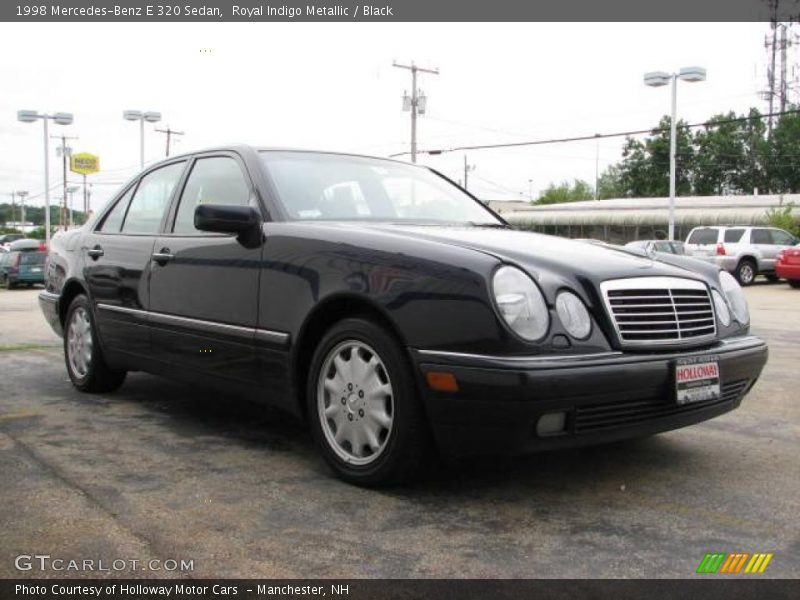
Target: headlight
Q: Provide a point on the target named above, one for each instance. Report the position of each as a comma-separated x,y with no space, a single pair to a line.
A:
520,303
721,307
735,297
574,316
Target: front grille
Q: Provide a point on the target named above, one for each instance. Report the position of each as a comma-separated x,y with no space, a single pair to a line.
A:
660,310
600,417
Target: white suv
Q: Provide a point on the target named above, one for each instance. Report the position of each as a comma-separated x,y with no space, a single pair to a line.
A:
744,251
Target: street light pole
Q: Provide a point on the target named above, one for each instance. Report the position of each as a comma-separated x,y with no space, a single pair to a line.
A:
29,116
658,79
138,115
673,145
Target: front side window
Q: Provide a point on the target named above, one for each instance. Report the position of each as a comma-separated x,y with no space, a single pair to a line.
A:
781,238
214,180
317,186
151,199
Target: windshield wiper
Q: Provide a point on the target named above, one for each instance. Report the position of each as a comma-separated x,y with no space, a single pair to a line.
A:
489,225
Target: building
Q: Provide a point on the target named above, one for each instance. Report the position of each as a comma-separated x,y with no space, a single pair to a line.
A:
626,219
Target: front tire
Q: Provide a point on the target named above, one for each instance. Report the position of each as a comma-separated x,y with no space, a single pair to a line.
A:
746,272
364,409
86,366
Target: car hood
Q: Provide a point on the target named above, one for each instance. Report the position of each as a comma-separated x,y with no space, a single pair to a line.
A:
538,252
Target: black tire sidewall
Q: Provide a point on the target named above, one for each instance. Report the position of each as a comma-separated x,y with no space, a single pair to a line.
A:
752,266
404,439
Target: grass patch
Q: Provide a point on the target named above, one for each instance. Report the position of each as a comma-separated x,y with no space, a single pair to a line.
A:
16,347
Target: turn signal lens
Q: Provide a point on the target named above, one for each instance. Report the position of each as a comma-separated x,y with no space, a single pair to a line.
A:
441,381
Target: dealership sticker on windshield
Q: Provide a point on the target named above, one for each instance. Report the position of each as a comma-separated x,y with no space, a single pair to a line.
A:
697,379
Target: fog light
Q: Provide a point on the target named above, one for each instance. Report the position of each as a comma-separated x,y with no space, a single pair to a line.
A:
551,423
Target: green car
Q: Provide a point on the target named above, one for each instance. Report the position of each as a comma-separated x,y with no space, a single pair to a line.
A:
20,267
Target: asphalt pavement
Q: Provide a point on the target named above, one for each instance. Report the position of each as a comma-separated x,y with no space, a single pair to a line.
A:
164,471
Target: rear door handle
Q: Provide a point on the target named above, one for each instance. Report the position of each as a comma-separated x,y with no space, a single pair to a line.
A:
163,256
95,252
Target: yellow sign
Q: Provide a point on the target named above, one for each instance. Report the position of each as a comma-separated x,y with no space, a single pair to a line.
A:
84,163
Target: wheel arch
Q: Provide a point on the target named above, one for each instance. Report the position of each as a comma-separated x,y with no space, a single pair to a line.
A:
71,289
323,317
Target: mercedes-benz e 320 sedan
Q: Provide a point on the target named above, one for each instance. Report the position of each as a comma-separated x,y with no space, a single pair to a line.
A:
392,310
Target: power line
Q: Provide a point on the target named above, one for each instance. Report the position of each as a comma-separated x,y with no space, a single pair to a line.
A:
598,136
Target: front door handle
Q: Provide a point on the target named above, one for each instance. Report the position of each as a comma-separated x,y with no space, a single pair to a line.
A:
163,256
95,252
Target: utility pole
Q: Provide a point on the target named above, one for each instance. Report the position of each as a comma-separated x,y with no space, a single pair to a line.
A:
467,169
65,152
416,103
13,207
597,166
169,132
22,195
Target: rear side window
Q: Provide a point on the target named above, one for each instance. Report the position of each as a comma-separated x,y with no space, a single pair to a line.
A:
760,236
703,236
31,258
151,199
215,180
113,221
733,235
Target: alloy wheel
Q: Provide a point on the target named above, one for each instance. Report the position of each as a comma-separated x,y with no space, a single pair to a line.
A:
355,402
79,342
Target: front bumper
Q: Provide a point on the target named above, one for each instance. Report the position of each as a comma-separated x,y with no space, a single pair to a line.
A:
606,397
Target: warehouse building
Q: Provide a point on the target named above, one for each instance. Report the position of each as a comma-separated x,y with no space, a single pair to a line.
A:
626,219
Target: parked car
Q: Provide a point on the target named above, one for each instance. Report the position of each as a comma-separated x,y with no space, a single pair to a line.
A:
20,267
787,265
666,246
393,311
744,251
7,238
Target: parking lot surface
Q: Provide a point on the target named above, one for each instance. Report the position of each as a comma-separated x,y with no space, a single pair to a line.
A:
165,471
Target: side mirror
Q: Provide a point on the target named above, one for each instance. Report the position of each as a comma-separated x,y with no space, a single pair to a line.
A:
224,218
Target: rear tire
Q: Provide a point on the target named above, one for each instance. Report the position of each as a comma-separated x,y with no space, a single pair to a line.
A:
772,278
10,285
746,271
795,283
363,406
86,366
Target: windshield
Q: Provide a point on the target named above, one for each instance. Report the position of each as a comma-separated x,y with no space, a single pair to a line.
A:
316,186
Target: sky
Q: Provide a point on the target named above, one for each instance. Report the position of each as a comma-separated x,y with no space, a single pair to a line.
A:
331,86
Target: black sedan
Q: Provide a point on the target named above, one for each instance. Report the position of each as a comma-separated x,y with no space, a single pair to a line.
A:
390,309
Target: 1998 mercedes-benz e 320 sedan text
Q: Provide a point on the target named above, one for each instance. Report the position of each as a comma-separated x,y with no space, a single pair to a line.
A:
392,310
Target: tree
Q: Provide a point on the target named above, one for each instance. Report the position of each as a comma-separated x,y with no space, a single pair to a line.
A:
783,168
566,192
719,156
609,184
644,168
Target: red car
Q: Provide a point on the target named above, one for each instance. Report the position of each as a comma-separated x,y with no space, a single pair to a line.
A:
787,265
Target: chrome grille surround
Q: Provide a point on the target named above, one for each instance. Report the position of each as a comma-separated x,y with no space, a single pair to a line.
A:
648,311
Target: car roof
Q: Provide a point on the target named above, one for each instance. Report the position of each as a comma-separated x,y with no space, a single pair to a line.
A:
247,149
